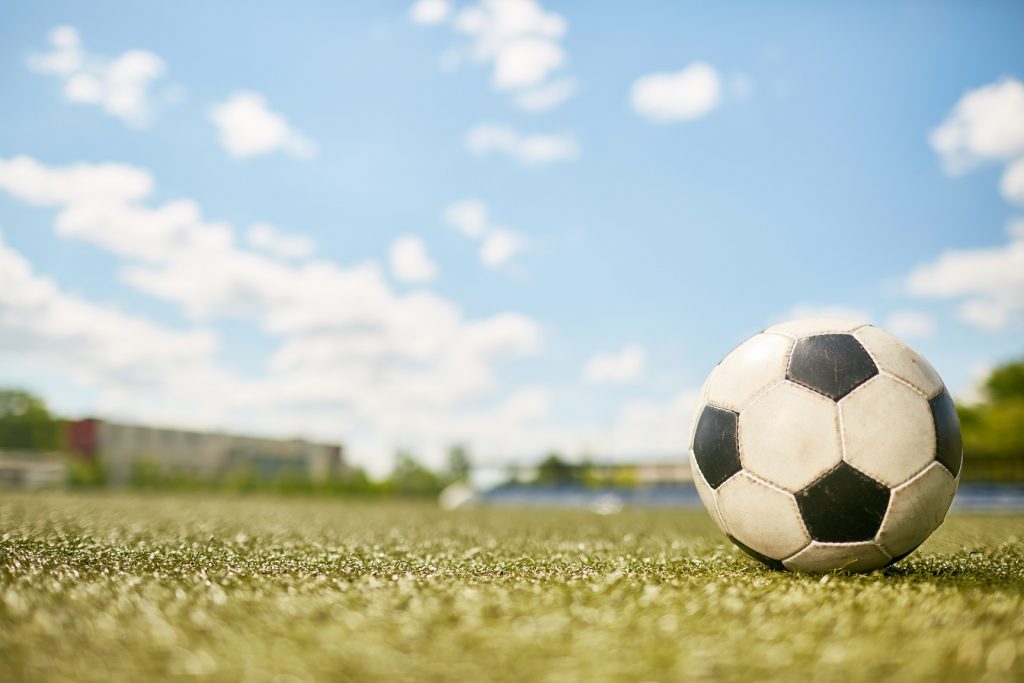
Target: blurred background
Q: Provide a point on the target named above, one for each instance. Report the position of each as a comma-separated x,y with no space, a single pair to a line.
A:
381,248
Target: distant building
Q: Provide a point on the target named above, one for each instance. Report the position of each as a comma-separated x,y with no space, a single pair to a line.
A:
643,473
122,448
668,472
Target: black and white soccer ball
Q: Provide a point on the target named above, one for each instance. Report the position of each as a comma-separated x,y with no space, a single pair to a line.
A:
825,444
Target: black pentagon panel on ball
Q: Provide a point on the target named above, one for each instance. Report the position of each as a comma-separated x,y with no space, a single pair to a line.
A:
716,445
831,364
774,564
843,506
949,447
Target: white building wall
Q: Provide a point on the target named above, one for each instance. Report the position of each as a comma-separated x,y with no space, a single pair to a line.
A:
206,455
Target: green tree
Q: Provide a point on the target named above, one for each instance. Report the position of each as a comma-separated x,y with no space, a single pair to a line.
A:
994,428
1006,383
459,464
86,474
146,474
355,481
410,478
555,470
26,422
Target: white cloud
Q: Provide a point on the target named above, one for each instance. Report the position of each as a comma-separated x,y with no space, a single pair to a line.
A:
97,344
410,261
248,127
826,311
517,37
647,428
35,183
677,96
268,239
174,230
142,371
119,86
531,150
430,11
910,324
468,216
66,57
509,430
1015,228
989,281
526,405
520,42
498,245
354,358
526,62
986,124
975,392
626,365
987,314
547,96
1012,182
521,428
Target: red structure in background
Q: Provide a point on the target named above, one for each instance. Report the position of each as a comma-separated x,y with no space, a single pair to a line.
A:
82,437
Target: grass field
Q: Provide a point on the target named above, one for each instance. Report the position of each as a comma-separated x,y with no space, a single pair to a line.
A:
125,588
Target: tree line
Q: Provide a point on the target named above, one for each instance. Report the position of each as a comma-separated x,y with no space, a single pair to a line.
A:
992,427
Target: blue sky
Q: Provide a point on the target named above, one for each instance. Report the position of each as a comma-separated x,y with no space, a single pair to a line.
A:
516,225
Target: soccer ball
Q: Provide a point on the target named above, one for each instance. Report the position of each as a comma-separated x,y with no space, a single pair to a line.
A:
824,444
